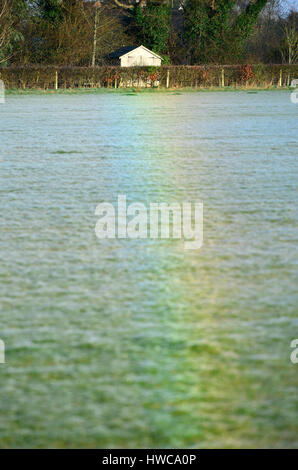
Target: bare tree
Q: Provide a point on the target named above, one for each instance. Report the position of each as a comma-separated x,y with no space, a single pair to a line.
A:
97,5
6,28
290,48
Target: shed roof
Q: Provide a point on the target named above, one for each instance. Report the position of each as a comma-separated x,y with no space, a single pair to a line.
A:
122,51
126,50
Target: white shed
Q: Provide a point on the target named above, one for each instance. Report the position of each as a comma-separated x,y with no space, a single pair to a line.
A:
136,56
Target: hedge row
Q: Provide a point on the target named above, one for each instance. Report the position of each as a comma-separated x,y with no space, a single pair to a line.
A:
50,77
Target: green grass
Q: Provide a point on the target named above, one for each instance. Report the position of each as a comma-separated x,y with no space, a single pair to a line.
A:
134,91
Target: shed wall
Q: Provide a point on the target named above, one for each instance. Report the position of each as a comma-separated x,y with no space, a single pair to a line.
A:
140,57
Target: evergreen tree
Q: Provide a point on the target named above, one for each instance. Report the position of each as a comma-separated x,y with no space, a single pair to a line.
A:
51,10
153,25
213,30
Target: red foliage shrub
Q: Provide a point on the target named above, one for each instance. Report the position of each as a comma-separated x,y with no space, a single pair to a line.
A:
246,73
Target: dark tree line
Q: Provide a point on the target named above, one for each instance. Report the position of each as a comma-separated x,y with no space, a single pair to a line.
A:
84,32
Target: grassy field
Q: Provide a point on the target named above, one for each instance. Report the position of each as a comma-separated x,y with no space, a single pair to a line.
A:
65,91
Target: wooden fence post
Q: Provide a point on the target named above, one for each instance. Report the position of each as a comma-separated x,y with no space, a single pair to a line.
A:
288,79
168,79
56,80
280,78
223,77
